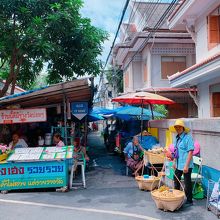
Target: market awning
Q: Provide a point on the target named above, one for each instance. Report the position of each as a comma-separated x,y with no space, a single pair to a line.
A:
76,90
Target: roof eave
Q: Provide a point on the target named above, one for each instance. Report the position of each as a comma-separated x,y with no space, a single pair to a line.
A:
177,17
202,73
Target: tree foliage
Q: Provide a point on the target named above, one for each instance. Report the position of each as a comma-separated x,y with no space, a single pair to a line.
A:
52,32
115,79
161,109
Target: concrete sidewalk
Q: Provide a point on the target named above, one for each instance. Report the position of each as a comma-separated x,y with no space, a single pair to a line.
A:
109,195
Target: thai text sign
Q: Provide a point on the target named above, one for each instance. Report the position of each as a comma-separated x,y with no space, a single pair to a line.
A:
79,109
33,175
22,115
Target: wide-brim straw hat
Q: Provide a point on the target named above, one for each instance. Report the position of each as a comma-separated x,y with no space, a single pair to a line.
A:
179,122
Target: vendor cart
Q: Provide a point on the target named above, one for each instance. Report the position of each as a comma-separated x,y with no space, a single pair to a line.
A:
41,167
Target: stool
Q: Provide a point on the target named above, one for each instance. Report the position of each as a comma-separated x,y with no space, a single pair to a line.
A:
73,170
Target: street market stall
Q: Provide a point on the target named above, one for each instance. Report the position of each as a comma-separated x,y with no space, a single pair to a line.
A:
40,167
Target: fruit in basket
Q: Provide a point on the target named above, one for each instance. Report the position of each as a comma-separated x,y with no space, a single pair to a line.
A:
157,150
163,188
168,194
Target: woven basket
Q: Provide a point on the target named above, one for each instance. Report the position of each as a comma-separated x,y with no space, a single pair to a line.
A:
168,203
147,184
154,158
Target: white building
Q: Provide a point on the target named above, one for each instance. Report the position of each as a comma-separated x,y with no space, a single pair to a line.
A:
147,60
202,20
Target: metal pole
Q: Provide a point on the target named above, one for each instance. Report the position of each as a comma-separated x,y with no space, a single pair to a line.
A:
142,112
65,118
152,112
86,131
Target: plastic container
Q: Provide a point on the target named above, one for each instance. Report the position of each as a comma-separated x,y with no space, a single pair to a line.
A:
146,176
40,141
48,138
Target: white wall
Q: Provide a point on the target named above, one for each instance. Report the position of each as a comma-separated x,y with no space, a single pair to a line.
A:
156,79
137,75
153,61
202,51
204,97
205,131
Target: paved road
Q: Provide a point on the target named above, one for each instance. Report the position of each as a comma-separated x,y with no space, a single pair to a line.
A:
110,195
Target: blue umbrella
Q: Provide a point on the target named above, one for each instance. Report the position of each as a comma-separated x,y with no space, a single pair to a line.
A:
94,117
137,111
102,111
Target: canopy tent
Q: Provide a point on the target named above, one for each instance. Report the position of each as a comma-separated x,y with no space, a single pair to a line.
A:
102,111
94,117
76,90
143,98
137,111
52,96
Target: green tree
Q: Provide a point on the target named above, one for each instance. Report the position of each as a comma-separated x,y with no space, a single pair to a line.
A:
35,33
161,109
115,78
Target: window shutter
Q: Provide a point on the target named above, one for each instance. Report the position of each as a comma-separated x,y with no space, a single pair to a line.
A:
172,65
213,29
145,73
216,104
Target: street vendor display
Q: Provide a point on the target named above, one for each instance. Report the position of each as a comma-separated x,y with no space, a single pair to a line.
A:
154,159
40,167
155,156
168,199
147,182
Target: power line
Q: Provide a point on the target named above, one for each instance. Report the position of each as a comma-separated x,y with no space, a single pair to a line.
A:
160,21
101,81
130,18
147,9
146,17
119,25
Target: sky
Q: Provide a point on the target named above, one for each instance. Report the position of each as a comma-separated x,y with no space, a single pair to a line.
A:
104,14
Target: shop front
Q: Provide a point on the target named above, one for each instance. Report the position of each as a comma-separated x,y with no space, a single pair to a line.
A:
36,116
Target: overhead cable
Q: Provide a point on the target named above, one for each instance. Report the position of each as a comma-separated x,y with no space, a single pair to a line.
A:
119,25
158,24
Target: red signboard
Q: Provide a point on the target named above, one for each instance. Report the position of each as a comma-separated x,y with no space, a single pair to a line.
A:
23,115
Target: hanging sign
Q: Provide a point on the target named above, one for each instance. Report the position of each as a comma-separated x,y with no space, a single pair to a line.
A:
23,115
79,109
